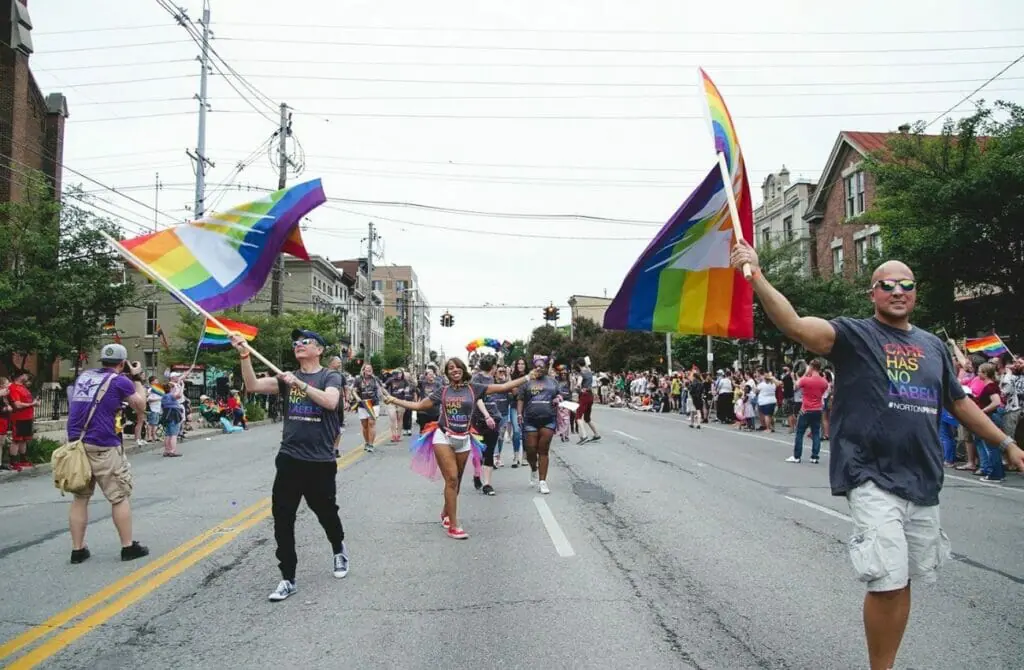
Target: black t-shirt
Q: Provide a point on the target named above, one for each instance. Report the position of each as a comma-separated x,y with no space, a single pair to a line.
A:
891,386
367,389
309,429
537,395
425,390
457,405
696,391
787,387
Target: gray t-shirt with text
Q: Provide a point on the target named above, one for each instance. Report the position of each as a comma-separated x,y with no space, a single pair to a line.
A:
309,429
890,387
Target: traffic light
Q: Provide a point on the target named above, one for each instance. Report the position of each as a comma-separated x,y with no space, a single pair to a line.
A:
551,313
447,320
554,314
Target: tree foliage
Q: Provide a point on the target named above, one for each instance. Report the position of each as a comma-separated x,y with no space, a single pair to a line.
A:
59,281
952,207
274,339
397,347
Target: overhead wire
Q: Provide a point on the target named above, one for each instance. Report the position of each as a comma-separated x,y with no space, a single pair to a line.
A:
977,90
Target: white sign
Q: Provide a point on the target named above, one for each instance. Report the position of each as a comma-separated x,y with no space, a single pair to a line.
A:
711,356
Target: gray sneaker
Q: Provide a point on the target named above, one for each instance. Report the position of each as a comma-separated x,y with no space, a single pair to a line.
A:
341,563
283,590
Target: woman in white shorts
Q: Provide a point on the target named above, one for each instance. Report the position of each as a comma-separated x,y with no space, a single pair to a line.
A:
443,449
365,390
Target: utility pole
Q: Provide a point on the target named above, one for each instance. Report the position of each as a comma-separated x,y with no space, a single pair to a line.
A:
284,128
668,351
370,240
711,355
199,157
156,201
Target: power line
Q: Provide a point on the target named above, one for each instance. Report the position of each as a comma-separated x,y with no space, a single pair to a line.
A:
114,46
557,31
971,94
500,215
109,65
703,51
577,238
129,81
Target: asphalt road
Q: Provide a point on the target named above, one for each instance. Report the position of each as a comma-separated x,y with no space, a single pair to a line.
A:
659,547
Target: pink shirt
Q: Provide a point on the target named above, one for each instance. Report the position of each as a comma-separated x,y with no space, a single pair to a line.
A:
814,387
977,385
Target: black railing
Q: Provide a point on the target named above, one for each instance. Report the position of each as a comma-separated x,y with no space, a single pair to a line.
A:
53,404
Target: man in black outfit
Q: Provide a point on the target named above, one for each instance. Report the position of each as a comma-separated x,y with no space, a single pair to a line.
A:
486,426
306,465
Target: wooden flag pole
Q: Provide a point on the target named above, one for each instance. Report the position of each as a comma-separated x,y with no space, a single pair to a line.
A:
181,297
734,211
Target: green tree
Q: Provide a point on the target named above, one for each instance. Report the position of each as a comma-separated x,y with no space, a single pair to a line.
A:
545,340
619,351
951,207
515,352
397,348
59,281
274,339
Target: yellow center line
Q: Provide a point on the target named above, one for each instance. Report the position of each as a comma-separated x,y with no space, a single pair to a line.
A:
225,531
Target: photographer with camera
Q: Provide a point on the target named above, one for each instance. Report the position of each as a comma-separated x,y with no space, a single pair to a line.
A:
94,401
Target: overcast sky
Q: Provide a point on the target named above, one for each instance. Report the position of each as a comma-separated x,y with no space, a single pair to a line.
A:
438,104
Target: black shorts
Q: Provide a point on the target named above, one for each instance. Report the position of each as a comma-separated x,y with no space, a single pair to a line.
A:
22,430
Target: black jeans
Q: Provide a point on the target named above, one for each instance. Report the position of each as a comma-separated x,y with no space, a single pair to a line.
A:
407,420
490,440
313,481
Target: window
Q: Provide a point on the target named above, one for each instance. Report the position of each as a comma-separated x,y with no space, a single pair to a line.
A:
377,285
854,187
787,228
151,317
860,251
151,360
401,285
837,260
766,237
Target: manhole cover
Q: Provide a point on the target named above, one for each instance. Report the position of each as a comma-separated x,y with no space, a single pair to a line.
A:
593,493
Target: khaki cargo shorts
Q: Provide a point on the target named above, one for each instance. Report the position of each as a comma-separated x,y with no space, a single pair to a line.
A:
894,540
111,471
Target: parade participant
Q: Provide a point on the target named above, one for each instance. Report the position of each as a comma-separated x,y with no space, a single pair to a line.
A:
503,401
396,385
94,401
22,419
306,466
519,369
426,388
884,457
586,401
695,400
813,387
486,421
563,420
445,447
335,366
537,405
365,391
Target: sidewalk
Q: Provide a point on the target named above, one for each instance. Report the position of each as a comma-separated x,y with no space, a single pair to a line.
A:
46,468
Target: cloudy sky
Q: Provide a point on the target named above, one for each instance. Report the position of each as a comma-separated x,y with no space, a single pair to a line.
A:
527,107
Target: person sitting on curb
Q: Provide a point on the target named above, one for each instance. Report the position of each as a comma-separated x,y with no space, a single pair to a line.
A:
94,401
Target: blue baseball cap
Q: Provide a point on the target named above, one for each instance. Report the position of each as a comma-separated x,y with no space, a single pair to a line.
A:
298,334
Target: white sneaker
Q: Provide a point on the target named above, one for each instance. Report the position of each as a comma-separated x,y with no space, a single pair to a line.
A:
141,442
283,590
341,563
543,488
792,459
533,479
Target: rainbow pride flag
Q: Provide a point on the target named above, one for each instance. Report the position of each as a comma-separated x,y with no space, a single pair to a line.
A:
683,282
989,345
224,259
214,337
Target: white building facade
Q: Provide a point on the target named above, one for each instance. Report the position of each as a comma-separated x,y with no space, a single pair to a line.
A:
779,219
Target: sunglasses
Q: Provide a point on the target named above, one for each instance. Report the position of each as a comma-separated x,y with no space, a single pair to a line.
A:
306,341
889,285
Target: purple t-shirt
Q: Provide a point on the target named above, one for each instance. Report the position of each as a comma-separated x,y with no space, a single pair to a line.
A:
457,405
80,398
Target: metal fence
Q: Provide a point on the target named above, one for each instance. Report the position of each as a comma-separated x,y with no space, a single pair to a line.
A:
53,404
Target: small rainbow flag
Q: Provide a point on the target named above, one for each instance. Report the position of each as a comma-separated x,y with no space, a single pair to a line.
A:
989,345
224,259
215,337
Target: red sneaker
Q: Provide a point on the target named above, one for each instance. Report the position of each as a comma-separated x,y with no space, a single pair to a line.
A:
458,534
446,521
24,464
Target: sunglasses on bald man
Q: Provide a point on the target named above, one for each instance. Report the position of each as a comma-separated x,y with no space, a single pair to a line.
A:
889,285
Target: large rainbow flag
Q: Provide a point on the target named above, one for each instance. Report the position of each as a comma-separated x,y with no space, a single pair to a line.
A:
224,259
215,337
989,345
683,282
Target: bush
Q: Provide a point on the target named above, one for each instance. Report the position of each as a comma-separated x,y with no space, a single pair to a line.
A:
40,449
254,411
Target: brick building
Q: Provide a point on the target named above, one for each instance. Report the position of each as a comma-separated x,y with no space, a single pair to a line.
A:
845,191
31,123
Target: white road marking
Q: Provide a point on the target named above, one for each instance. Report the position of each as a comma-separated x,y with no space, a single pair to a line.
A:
632,437
558,538
820,508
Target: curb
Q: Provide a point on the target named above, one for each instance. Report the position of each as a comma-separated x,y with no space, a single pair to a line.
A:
46,468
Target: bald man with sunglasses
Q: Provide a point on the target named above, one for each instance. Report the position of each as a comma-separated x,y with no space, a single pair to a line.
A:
892,381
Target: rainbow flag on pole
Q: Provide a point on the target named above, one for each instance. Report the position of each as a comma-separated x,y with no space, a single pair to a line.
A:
215,337
989,345
683,282
224,259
